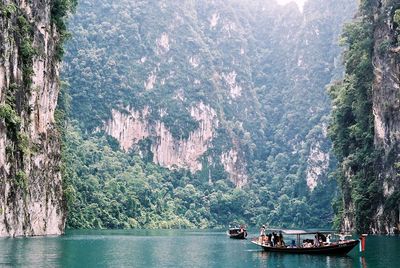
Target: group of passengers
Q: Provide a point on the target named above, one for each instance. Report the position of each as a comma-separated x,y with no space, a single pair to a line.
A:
272,239
318,241
276,240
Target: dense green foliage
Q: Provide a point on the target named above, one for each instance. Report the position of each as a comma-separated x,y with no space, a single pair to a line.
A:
352,126
351,129
106,188
60,9
396,20
281,59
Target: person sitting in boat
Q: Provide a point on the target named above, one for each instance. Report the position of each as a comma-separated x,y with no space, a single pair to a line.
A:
307,243
243,230
328,240
267,241
342,237
321,237
277,241
316,241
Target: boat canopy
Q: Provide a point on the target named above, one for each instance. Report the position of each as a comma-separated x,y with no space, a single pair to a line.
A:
299,232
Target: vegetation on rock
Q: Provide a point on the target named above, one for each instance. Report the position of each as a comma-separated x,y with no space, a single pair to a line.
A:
361,162
262,67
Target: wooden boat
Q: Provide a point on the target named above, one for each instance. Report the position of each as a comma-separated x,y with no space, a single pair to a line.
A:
237,233
341,247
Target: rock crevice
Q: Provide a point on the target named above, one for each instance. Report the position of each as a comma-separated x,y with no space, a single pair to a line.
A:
31,199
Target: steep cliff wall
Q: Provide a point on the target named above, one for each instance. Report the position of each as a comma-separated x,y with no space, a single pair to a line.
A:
366,120
31,199
386,112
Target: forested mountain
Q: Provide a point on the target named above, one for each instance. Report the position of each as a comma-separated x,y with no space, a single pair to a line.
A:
365,126
200,113
31,192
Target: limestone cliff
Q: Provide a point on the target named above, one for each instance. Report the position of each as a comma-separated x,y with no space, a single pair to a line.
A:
235,167
132,126
371,184
318,164
386,111
31,199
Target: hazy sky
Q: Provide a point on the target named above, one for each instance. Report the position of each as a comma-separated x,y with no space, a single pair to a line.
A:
299,2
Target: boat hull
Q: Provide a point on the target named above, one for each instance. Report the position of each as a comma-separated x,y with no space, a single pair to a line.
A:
241,235
333,249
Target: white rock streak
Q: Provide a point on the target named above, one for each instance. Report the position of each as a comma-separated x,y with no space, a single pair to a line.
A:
162,44
234,167
318,163
128,128
214,20
234,89
131,127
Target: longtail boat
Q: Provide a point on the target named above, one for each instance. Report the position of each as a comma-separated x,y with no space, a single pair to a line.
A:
237,233
319,245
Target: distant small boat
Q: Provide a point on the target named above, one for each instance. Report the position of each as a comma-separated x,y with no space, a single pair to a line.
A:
341,247
237,233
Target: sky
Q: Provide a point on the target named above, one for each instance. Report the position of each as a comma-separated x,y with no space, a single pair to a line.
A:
300,3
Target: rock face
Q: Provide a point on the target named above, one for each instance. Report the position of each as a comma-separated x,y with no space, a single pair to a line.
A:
31,199
131,127
372,192
186,153
318,164
386,111
234,166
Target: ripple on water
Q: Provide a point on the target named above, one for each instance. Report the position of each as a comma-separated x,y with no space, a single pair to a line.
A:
172,248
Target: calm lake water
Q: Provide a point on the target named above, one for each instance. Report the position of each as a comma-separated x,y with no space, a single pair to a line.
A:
176,248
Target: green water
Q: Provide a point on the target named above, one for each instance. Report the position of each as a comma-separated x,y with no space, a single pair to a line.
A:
173,248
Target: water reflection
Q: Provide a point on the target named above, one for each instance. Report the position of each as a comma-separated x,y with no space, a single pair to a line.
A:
363,263
176,248
267,259
30,252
